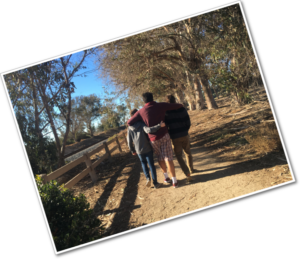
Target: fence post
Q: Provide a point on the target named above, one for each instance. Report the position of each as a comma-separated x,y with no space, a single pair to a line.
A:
118,143
92,172
107,151
44,178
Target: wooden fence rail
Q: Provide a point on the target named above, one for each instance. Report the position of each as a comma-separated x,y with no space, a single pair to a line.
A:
90,167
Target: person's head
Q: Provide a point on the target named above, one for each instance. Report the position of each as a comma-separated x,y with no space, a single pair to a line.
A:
132,112
147,97
170,99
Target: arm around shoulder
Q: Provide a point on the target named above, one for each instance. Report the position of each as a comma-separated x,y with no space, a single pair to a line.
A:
152,129
172,106
136,117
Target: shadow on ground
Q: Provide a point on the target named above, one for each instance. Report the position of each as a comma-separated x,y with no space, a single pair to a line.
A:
238,168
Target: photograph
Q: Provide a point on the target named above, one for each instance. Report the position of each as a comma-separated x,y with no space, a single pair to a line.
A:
149,127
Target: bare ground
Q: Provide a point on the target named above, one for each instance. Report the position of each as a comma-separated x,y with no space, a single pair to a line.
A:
228,167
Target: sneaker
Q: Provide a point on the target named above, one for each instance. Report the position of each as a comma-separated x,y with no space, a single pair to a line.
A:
175,185
167,180
148,183
156,186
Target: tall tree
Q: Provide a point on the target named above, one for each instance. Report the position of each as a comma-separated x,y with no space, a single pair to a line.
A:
90,110
49,86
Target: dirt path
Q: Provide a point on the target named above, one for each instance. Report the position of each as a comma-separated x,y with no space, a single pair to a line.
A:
228,167
122,201
215,182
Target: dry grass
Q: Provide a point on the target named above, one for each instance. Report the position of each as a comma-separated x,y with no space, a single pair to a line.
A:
264,138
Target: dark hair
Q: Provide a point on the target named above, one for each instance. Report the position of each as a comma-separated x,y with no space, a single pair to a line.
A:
170,98
147,97
132,112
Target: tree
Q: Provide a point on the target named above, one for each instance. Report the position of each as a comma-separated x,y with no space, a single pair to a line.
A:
47,89
90,110
76,123
191,56
113,115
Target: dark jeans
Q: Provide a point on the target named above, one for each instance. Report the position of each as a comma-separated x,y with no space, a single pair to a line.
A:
148,159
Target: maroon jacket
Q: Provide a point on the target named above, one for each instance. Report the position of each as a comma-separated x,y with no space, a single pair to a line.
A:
152,114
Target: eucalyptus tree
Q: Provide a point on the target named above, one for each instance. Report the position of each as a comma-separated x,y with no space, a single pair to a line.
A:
76,122
234,64
89,110
185,58
46,89
32,120
113,114
159,60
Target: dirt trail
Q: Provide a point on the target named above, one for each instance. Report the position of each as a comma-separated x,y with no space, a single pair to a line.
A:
228,167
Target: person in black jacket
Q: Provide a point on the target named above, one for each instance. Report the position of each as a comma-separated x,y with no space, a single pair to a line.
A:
178,123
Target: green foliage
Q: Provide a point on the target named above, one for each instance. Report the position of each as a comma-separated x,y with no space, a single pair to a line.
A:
90,109
109,122
82,135
227,81
70,141
41,151
113,115
42,154
70,218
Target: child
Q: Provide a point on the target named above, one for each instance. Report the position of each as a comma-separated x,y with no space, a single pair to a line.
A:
139,144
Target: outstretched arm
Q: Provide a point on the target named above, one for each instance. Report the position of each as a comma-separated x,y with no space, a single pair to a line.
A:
154,128
136,117
171,106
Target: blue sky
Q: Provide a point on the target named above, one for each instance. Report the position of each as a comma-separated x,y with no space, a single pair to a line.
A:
90,84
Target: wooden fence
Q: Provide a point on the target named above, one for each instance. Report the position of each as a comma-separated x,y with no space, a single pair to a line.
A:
90,167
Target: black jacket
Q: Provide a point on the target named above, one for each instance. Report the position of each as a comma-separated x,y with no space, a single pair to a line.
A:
178,122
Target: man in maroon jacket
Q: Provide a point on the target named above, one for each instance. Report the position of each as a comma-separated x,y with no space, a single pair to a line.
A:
152,114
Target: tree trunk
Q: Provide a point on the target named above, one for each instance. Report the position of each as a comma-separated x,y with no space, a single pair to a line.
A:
68,120
191,102
60,155
210,101
180,96
91,129
200,104
189,91
36,112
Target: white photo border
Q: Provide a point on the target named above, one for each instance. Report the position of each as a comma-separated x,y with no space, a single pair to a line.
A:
121,37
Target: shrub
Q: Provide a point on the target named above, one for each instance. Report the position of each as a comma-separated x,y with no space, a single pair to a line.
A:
71,221
264,138
41,153
82,135
70,141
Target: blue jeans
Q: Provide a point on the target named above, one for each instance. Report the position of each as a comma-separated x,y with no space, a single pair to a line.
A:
148,159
